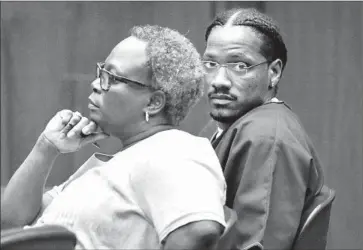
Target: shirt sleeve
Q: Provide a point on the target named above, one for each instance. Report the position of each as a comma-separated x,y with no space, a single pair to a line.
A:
173,193
271,192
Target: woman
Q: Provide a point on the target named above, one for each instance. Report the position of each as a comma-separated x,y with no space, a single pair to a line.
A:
165,189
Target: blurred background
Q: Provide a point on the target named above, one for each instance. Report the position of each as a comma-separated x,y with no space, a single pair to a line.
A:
49,51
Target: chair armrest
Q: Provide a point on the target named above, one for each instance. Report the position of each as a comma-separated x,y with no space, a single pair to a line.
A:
40,237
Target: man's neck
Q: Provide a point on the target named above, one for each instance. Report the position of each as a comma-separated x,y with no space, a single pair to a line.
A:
223,126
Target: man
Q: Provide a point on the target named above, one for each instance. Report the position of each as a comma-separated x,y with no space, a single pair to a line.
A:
148,195
271,168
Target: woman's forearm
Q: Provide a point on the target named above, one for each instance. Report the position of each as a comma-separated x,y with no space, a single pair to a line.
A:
22,197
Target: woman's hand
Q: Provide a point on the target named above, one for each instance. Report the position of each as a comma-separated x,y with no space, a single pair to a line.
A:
69,131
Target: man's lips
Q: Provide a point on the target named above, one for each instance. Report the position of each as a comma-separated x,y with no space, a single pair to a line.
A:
221,96
221,99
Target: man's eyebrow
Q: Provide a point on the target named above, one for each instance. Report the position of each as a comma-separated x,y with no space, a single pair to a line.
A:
230,54
240,55
209,56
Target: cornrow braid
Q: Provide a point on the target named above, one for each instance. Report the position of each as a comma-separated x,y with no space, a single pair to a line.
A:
274,46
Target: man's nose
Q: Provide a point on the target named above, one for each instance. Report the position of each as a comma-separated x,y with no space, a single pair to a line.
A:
221,79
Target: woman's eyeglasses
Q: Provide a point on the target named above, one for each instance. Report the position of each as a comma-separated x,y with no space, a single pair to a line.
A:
108,78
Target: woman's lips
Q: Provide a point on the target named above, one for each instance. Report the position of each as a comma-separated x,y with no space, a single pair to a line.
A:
92,106
92,103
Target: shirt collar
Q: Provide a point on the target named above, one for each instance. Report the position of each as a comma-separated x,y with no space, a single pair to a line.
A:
220,131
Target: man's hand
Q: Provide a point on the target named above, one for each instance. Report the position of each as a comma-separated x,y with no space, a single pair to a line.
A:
69,131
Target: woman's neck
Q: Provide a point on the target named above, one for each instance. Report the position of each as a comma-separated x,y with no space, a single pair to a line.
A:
142,134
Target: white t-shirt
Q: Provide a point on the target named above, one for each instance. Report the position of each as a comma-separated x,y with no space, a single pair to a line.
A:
143,193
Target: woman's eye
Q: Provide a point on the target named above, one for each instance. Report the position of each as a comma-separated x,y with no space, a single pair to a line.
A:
111,78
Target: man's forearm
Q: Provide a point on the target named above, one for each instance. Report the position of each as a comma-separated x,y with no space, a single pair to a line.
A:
22,197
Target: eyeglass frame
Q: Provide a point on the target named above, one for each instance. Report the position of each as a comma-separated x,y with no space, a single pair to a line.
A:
219,65
100,68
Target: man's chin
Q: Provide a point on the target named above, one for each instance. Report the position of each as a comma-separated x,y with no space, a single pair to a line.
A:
223,118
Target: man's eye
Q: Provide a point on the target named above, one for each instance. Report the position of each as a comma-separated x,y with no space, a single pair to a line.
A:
210,65
239,66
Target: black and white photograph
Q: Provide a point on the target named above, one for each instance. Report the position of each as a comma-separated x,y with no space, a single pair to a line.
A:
199,125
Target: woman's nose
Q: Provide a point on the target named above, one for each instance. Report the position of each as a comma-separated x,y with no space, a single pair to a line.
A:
95,84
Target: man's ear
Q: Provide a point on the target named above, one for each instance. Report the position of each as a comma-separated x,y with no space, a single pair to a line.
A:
275,70
156,103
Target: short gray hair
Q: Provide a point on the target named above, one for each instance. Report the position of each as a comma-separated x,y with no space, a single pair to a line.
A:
176,68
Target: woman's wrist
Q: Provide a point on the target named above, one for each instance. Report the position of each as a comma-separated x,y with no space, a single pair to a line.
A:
44,145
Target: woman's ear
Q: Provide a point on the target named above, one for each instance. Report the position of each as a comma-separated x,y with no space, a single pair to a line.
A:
274,73
157,103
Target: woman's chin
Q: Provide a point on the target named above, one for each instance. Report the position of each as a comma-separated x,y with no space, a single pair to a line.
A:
95,116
